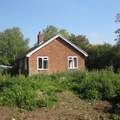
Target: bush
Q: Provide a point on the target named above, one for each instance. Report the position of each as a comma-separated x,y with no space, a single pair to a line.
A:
19,92
91,95
95,85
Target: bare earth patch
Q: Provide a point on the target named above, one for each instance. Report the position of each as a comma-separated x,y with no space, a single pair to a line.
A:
70,107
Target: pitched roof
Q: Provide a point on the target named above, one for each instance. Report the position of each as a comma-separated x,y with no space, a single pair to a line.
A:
38,47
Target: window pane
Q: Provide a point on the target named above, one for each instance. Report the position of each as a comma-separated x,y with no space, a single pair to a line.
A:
70,63
40,62
45,58
75,62
70,57
45,64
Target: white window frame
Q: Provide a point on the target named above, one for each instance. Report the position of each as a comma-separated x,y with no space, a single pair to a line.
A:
25,63
73,62
46,58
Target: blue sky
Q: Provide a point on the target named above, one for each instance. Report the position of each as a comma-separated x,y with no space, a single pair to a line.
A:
93,18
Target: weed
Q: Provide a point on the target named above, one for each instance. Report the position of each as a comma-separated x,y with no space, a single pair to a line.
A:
114,117
14,110
84,108
103,115
47,102
80,118
17,118
89,118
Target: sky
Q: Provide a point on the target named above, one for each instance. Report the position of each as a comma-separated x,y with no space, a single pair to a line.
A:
93,18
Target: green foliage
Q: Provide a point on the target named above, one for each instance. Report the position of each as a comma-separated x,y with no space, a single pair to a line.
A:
64,33
80,118
48,101
118,105
92,95
21,92
114,117
51,31
104,55
116,56
12,44
118,30
100,56
98,85
116,47
81,41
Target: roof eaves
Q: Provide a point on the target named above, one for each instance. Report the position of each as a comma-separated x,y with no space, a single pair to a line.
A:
74,45
50,40
42,45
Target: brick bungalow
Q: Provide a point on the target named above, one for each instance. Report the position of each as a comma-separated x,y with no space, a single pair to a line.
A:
54,55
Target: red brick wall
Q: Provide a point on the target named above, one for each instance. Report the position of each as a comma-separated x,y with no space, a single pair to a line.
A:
57,52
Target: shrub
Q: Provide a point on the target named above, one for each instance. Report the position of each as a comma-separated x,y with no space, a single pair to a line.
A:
19,91
92,95
95,85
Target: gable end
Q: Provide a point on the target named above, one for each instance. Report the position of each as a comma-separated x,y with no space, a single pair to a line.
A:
53,38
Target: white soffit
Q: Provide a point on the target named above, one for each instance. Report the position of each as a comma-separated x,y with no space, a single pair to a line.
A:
53,38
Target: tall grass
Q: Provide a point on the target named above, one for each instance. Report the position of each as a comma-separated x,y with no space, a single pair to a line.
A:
19,91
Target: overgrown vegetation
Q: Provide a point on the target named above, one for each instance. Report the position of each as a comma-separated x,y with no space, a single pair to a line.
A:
20,92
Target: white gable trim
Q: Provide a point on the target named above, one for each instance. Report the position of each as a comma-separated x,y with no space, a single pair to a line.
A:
53,38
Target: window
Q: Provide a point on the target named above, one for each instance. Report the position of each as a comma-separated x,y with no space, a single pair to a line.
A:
73,62
42,63
25,64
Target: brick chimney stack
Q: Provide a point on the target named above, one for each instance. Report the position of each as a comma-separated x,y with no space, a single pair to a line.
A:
40,38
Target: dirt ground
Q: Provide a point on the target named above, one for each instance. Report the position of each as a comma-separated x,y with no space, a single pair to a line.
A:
70,107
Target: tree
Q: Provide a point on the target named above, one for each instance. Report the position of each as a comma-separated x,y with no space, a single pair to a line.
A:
116,47
100,56
81,41
118,30
116,57
12,44
51,31
64,33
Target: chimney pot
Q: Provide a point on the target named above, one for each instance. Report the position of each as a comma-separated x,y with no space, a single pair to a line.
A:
40,32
